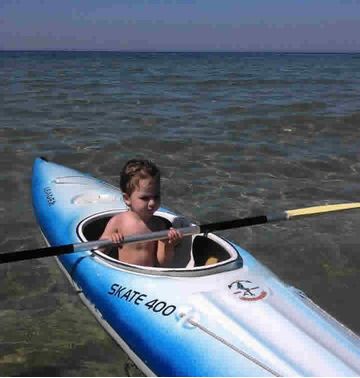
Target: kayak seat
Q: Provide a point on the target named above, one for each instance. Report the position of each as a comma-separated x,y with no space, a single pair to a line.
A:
183,250
199,250
93,230
207,252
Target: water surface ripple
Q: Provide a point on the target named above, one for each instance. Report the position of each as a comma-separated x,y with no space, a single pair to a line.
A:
235,135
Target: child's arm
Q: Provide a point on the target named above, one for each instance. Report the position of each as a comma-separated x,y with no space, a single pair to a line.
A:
112,232
165,252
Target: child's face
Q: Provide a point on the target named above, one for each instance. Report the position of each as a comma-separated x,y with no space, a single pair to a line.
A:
145,199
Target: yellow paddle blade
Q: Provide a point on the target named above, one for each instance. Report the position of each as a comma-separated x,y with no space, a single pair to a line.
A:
314,210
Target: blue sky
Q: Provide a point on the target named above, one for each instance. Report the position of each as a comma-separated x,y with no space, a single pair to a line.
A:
181,25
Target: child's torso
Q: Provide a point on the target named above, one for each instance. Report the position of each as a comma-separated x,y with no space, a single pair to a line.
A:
139,254
143,253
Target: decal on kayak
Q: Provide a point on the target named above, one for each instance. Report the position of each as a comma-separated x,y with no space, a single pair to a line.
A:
50,198
138,298
246,290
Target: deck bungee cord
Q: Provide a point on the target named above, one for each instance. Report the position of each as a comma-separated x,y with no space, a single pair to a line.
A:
231,346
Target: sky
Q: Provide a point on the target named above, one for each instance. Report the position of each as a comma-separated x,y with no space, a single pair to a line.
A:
181,25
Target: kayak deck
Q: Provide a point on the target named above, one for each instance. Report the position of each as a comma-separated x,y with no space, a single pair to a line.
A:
201,317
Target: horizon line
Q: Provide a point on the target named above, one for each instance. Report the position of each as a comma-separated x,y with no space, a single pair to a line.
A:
185,51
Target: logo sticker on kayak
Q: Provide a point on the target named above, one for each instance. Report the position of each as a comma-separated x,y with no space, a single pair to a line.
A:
247,290
136,297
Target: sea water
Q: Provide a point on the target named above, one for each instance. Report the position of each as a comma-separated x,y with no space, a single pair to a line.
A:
235,135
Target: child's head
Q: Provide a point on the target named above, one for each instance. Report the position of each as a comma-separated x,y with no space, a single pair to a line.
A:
140,184
135,170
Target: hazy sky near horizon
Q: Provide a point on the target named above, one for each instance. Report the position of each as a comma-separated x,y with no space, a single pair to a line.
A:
181,25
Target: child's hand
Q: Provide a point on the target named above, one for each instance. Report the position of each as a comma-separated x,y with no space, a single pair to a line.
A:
117,238
174,236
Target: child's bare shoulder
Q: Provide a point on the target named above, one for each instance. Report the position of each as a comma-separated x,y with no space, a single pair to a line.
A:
118,219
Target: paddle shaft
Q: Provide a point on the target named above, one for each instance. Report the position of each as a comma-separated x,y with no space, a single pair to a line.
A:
159,235
186,231
280,216
89,246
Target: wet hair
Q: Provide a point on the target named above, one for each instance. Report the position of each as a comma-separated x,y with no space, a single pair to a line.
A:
135,170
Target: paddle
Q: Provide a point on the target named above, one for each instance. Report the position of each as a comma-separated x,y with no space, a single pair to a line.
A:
186,231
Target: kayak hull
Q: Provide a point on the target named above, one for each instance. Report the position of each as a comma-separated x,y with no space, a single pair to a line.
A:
233,317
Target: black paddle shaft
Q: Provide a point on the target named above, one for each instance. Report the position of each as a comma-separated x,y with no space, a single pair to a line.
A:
70,248
191,230
233,224
35,253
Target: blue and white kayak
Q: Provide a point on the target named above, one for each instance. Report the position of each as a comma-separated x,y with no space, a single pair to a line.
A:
216,312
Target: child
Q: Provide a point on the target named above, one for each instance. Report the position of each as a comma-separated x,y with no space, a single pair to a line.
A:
140,184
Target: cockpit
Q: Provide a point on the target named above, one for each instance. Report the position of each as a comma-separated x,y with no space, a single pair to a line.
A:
194,253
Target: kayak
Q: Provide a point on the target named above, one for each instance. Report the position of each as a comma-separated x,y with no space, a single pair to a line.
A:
217,311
